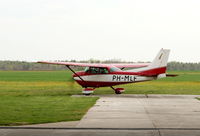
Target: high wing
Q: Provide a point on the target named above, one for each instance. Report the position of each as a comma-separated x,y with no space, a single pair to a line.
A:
131,65
136,65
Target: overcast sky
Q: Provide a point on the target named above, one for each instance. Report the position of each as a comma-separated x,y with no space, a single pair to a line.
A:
130,30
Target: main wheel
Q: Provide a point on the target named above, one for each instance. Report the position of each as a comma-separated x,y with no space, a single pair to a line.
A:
87,94
117,92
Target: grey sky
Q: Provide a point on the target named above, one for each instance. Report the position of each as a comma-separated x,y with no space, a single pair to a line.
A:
131,30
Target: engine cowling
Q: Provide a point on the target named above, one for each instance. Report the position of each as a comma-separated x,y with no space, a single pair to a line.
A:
88,91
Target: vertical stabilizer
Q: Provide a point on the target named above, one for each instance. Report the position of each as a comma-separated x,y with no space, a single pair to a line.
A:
161,59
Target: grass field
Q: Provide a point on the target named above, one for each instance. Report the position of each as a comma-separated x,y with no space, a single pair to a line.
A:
40,97
44,96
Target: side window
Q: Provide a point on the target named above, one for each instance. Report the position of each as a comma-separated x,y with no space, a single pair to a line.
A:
94,70
103,71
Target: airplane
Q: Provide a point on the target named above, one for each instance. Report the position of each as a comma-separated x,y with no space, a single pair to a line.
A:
109,75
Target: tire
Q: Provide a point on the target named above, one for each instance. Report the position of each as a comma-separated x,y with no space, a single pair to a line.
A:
87,94
117,92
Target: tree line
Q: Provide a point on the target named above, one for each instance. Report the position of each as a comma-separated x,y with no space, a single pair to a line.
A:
31,66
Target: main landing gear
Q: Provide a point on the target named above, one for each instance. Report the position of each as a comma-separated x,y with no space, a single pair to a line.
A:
118,90
88,91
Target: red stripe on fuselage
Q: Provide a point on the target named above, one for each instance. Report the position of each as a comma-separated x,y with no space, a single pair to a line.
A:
152,72
98,84
102,84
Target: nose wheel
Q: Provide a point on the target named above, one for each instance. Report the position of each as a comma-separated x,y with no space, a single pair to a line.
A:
118,90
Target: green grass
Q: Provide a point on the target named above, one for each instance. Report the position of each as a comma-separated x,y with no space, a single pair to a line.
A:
31,76
44,96
40,97
42,109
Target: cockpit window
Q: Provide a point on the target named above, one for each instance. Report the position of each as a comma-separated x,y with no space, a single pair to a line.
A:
103,70
96,70
113,69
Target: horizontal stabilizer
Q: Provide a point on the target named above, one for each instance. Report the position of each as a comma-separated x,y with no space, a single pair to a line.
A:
171,75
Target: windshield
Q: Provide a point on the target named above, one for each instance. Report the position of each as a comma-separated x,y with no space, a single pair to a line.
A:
86,69
113,69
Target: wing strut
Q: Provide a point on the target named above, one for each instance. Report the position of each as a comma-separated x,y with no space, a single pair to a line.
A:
74,72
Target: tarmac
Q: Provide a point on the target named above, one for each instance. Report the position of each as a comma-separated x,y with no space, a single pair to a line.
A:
138,115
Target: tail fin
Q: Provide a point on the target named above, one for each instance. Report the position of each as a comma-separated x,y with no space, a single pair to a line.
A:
161,59
159,64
